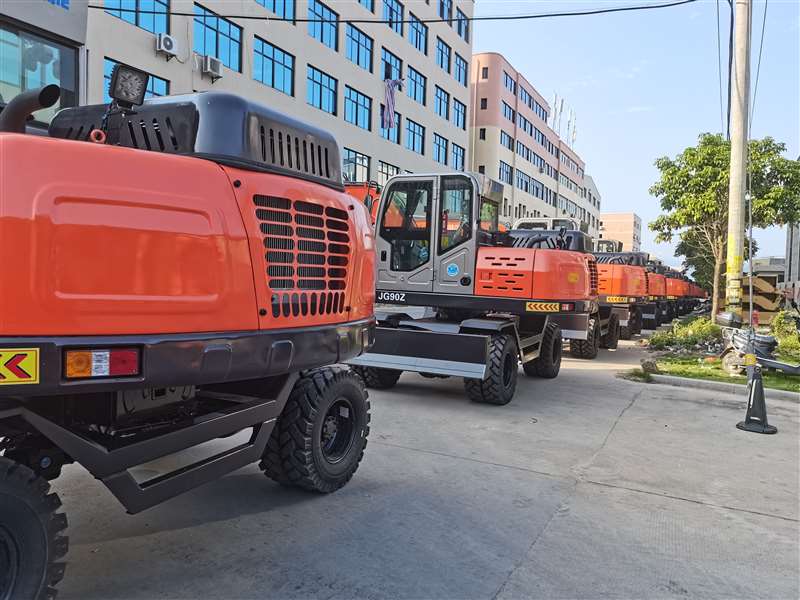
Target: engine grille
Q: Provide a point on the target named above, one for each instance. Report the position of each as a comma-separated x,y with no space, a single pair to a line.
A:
307,255
593,278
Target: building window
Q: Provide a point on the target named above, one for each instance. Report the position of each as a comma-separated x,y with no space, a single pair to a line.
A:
439,149
323,25
508,112
482,133
459,114
415,137
355,166
484,103
321,90
393,15
446,10
392,134
359,48
506,140
457,157
442,55
28,62
417,83
441,103
462,25
506,173
357,108
386,172
418,34
151,15
283,8
482,169
509,83
273,67
485,73
460,70
391,66
217,37
368,4
155,85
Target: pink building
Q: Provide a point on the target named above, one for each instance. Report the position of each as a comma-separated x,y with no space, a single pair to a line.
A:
511,141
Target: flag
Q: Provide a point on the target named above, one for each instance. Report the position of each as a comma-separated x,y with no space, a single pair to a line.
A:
391,85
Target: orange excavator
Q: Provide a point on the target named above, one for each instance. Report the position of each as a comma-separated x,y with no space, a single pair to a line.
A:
176,271
462,298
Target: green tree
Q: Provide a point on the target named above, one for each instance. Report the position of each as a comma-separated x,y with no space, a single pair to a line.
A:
693,192
698,257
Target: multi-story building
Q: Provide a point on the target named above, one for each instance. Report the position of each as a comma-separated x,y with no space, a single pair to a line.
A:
511,141
305,58
791,277
623,227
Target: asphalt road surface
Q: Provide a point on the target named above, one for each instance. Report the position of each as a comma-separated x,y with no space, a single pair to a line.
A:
586,486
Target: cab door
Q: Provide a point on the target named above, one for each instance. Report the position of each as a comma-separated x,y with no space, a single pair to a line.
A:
405,233
457,227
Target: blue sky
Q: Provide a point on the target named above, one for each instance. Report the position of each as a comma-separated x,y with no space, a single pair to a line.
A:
645,84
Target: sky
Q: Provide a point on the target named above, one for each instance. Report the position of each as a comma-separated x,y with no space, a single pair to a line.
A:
645,84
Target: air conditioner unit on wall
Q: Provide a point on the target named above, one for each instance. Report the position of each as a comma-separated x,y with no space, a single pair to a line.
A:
212,66
166,44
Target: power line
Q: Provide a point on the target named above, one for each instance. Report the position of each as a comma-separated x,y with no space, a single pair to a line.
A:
758,67
730,70
719,74
577,13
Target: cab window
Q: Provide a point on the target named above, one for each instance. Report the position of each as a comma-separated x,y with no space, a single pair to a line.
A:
406,224
455,216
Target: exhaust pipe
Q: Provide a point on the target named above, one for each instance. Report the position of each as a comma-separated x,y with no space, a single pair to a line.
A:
21,106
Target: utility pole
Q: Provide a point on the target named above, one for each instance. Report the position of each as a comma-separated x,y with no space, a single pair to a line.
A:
740,104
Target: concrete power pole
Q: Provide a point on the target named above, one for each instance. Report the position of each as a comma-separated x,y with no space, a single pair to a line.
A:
740,105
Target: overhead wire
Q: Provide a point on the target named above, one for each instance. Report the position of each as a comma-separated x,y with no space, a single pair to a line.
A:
758,64
719,74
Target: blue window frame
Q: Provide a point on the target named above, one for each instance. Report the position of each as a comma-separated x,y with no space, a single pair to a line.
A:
355,165
506,140
359,47
442,55
459,114
391,65
357,108
417,83
273,67
460,69
441,103
462,25
418,33
457,157
321,90
508,112
509,83
155,86
415,137
393,15
368,4
446,10
506,173
439,149
151,15
283,8
218,37
324,24
392,134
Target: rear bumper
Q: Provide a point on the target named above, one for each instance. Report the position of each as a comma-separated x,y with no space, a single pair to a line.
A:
195,359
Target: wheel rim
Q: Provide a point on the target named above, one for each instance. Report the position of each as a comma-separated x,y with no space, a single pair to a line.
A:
509,364
9,564
338,430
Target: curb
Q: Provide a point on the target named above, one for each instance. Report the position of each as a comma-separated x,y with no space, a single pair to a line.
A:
721,386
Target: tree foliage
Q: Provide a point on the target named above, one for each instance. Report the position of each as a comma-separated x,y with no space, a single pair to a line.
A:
693,193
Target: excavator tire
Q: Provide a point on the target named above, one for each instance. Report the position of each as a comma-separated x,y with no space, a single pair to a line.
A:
548,363
610,340
501,375
377,378
588,348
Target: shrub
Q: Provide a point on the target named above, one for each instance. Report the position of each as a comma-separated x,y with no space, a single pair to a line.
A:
700,330
784,329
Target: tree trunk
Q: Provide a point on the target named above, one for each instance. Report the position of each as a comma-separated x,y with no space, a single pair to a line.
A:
715,295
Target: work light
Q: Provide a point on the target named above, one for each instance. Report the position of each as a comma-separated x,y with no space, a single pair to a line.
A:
128,85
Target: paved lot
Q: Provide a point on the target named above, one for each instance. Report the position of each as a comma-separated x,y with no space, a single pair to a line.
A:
586,486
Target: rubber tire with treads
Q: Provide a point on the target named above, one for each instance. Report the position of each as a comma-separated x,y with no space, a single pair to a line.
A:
588,348
638,321
610,340
31,523
548,363
500,383
294,454
377,378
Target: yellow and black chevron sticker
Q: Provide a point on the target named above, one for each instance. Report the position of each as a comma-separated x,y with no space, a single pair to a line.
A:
617,299
542,306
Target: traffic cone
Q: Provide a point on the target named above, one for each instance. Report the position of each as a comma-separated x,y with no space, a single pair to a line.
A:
755,419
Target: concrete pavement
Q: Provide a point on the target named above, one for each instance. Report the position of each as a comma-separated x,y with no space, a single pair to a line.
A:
585,486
